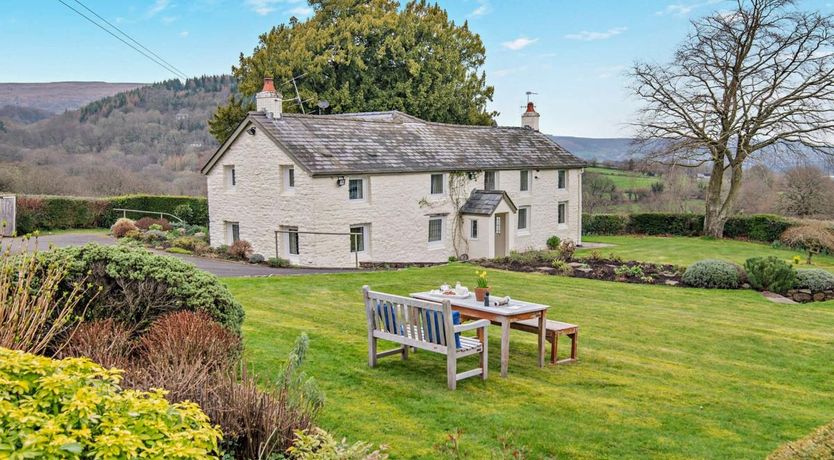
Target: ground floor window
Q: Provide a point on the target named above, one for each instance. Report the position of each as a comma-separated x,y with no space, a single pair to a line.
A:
563,213
473,229
524,218
291,239
232,232
357,238
435,229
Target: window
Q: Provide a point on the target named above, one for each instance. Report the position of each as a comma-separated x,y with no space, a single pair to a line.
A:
524,218
357,238
436,184
232,232
489,180
563,213
473,229
562,179
229,176
292,241
356,190
289,178
525,181
435,229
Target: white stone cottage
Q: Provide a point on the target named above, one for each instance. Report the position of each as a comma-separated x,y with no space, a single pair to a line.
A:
297,186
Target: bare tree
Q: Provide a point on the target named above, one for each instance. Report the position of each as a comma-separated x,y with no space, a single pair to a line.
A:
806,192
754,80
598,191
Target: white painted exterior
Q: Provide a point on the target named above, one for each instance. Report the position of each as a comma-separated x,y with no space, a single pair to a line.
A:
396,209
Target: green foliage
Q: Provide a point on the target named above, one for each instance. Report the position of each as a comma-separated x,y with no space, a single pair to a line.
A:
227,117
770,274
256,259
604,224
629,271
562,267
176,250
553,242
760,227
712,274
377,56
815,279
138,286
278,262
73,408
317,444
666,224
55,213
534,258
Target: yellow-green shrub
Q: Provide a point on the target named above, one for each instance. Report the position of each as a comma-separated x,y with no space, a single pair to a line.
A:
74,408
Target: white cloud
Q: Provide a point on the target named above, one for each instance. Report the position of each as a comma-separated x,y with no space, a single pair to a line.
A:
265,7
301,11
482,9
519,43
588,36
168,19
683,9
184,34
158,7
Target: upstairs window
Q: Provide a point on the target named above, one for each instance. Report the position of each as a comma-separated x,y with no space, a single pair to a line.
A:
562,179
437,184
524,181
356,189
490,182
289,178
229,176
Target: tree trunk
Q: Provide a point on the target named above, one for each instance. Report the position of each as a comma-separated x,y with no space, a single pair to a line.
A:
718,207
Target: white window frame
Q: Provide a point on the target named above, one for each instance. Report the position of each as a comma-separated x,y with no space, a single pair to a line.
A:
442,184
288,178
559,173
564,215
474,229
230,232
363,189
442,241
288,246
522,174
527,220
365,238
495,183
230,177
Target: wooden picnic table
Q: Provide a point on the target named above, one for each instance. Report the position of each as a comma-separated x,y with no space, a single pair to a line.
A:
504,315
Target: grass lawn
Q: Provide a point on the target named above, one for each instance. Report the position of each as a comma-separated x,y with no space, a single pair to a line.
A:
678,250
664,372
626,180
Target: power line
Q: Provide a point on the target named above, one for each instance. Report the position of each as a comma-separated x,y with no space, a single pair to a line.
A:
130,38
164,66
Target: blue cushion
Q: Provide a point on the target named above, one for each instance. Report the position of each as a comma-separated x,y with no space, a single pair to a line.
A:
438,328
389,316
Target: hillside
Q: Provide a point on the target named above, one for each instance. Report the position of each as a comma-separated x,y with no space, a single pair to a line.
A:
149,139
57,97
604,149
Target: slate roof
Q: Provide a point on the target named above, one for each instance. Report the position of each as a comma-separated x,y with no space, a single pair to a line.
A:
484,202
394,142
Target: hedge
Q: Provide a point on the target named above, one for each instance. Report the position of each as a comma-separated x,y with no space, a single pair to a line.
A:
59,212
760,227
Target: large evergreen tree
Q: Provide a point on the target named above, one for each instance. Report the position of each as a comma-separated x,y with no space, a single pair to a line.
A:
372,55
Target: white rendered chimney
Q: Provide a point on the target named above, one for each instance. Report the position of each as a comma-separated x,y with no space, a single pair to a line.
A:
530,118
268,100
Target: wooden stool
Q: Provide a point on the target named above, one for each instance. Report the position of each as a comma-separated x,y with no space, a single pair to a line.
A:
554,330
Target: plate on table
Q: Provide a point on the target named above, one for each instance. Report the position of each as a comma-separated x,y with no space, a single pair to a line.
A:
450,294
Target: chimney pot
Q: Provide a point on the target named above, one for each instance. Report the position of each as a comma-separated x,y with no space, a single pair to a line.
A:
530,118
268,100
269,86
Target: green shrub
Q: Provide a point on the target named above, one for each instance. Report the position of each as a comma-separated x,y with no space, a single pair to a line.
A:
553,242
138,286
256,258
562,267
770,274
317,444
161,203
604,224
176,250
278,262
188,242
534,258
122,227
74,408
54,213
815,279
759,227
666,224
712,274
629,271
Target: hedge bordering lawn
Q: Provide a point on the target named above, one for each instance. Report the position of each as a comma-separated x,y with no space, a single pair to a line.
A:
760,227
35,212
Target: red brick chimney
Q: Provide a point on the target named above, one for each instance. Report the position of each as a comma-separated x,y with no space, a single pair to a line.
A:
530,118
268,100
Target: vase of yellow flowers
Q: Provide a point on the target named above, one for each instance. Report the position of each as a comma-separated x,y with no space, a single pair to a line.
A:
481,285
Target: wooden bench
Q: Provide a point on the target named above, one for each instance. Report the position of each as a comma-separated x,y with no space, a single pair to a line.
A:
554,330
426,325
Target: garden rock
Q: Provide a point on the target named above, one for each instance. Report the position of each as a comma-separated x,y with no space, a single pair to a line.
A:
671,282
547,270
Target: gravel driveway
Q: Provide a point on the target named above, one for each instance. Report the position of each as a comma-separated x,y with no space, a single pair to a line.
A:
219,267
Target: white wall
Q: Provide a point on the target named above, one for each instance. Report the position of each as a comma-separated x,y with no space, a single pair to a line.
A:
397,207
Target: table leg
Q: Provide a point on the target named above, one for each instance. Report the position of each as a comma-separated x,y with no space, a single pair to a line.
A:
542,337
505,346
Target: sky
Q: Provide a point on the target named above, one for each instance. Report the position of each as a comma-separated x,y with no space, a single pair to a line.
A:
574,54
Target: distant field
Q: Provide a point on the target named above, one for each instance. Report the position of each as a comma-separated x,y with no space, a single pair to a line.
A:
626,180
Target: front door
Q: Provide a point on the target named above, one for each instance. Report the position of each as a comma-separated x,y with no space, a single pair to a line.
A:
501,235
